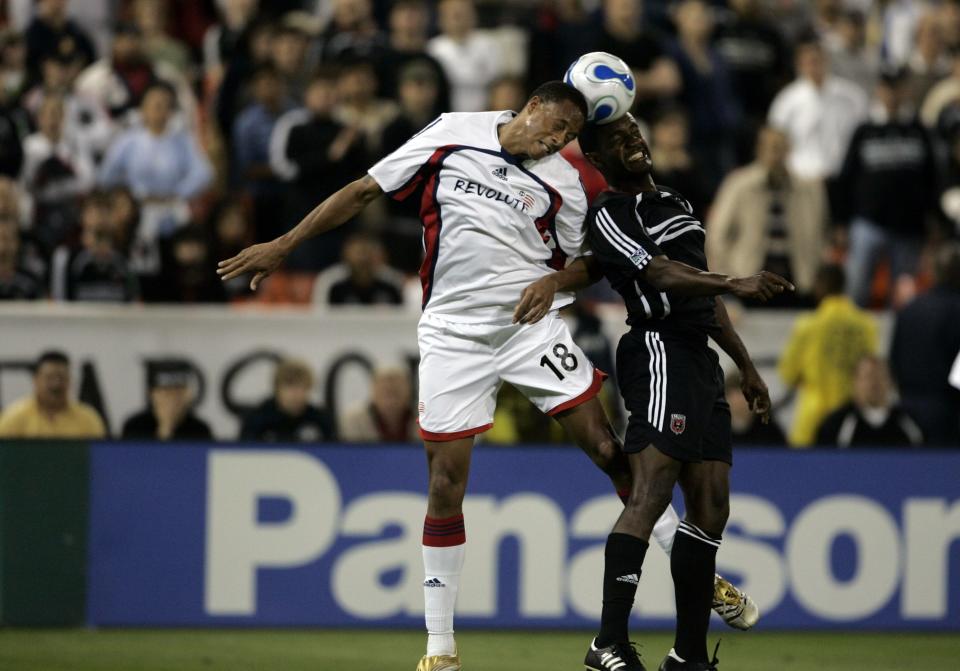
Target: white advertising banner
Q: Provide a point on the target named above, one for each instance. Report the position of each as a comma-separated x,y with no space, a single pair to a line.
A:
233,350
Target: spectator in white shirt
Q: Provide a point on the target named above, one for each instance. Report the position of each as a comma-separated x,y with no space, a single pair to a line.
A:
57,170
469,58
818,112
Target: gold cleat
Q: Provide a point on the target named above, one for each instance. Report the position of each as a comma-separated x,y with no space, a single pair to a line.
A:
736,608
440,662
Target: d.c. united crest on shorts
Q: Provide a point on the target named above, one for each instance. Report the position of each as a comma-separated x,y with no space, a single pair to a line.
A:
678,423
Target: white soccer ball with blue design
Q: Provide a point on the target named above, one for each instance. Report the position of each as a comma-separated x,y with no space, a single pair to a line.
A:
607,84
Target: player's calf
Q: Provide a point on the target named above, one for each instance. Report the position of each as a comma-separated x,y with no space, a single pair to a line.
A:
588,426
444,549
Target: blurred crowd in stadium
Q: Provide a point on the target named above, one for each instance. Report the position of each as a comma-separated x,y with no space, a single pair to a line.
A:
142,140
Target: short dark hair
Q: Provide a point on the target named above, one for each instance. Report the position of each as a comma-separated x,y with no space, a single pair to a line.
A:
264,71
946,265
808,37
161,85
410,4
190,233
592,133
327,74
51,356
831,278
288,30
556,91
589,138
96,199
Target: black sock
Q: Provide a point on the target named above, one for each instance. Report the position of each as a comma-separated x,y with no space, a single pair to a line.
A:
623,559
693,563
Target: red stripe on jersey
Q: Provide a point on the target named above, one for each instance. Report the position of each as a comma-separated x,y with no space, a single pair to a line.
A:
547,226
430,217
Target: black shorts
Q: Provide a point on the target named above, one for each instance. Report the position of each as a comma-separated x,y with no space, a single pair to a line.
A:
674,392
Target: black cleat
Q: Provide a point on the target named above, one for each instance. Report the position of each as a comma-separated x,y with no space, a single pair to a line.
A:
615,657
672,663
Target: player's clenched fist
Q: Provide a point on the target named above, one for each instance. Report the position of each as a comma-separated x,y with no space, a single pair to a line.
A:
260,259
762,287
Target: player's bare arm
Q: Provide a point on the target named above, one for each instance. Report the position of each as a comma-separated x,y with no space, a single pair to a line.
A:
752,385
683,280
339,208
662,272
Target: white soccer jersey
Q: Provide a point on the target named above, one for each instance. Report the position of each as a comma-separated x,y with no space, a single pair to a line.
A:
492,224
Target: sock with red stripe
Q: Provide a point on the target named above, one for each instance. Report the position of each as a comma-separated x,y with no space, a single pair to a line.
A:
444,545
665,528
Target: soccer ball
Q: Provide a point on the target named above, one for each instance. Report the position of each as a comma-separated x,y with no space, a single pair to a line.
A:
607,84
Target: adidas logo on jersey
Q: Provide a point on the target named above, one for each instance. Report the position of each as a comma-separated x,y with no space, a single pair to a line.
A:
631,578
433,582
500,173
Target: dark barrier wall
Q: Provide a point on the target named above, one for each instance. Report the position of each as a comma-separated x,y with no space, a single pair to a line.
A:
43,532
185,535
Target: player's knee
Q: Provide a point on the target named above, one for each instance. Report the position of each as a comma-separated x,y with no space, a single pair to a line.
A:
608,455
447,484
651,496
719,514
660,495
709,510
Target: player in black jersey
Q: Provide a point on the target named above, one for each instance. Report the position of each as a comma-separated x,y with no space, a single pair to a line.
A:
648,243
672,383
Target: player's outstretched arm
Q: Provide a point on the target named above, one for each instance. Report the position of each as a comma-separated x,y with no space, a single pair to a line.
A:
668,275
265,258
537,298
751,384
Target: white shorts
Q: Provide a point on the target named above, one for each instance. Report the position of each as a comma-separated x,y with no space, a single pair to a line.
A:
463,365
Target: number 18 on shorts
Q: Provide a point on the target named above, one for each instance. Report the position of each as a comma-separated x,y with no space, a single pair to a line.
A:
463,365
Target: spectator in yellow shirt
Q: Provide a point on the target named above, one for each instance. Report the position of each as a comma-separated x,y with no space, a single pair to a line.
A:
823,352
50,412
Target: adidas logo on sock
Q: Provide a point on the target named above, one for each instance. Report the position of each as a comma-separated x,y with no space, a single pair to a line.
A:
631,578
433,582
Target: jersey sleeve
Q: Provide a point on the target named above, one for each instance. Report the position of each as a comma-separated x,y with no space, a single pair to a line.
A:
571,228
401,172
622,244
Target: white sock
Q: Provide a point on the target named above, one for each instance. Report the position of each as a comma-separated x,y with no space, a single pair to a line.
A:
441,567
666,528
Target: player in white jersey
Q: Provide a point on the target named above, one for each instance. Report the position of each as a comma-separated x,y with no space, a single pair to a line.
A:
501,212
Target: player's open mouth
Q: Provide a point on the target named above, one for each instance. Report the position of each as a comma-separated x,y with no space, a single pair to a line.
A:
545,147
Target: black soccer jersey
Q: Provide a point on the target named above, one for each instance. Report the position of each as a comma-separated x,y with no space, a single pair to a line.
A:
626,232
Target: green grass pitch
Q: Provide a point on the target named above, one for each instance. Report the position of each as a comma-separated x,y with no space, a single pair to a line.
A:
342,650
